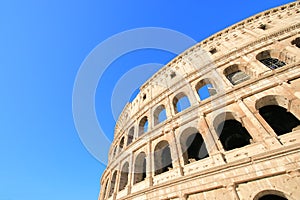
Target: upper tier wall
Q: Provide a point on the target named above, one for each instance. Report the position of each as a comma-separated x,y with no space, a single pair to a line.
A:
216,50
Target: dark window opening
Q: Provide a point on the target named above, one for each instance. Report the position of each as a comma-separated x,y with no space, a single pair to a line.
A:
140,168
280,120
233,135
194,148
172,75
213,51
272,63
162,158
124,177
296,42
121,145
112,184
144,96
144,169
130,136
262,26
272,197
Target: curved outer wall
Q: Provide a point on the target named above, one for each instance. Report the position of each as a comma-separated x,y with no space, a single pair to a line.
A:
252,72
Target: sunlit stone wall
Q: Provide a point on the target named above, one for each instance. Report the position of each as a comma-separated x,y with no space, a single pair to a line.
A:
220,121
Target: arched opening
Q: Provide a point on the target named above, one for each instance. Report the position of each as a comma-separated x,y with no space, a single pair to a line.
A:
235,74
130,136
270,59
279,119
296,42
213,50
112,184
231,132
124,176
143,126
193,146
181,102
162,157
272,197
173,74
140,168
160,114
105,189
205,89
121,145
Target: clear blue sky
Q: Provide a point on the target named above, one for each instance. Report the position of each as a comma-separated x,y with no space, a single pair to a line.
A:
42,46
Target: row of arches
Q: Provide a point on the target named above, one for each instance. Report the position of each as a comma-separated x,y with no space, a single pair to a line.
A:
162,163
205,88
180,102
232,135
278,118
263,195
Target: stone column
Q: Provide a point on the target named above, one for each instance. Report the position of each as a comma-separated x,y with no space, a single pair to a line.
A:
175,146
232,190
196,95
269,140
193,98
135,130
130,173
168,108
150,119
208,138
256,129
149,163
171,106
108,186
125,135
293,99
218,80
116,189
214,147
183,197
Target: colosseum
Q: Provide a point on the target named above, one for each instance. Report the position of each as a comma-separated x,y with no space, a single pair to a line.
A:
220,121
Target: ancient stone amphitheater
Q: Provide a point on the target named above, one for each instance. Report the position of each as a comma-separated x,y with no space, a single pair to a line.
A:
220,121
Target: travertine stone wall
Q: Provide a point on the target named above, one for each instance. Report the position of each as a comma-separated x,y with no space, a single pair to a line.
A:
232,63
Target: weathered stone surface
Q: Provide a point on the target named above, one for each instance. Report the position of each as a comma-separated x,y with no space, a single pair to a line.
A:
266,163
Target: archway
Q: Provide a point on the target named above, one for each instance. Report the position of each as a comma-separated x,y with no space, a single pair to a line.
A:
162,157
192,145
232,134
140,168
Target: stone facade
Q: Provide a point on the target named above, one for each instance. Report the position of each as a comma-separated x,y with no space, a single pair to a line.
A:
220,121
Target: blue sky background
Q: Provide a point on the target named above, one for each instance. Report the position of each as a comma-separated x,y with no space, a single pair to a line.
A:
42,45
